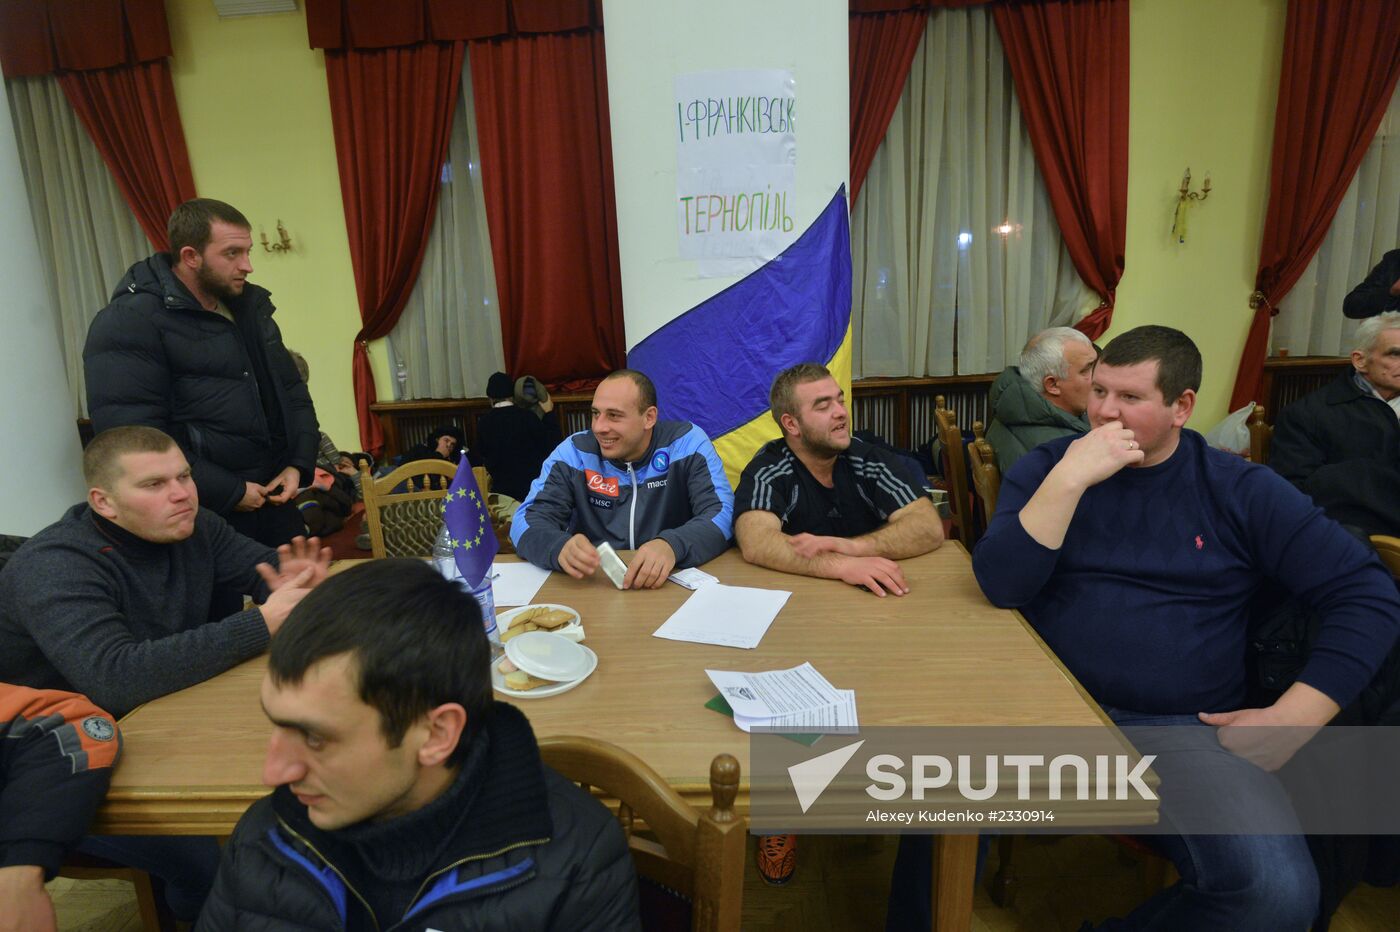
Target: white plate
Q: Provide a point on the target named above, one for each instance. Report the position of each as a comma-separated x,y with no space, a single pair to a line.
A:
498,680
547,656
573,630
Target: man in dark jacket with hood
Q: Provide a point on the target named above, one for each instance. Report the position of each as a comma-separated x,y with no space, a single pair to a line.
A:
188,346
406,797
1043,397
517,434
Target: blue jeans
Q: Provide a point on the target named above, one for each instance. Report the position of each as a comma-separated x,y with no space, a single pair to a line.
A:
1238,882
185,866
910,903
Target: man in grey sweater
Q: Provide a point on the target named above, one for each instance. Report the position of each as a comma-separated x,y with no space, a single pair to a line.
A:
114,600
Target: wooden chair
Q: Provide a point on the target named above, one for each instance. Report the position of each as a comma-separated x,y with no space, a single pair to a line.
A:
699,855
1389,549
406,524
500,528
79,866
954,470
1260,434
986,477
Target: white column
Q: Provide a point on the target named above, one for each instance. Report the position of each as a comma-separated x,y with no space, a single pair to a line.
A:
649,42
42,470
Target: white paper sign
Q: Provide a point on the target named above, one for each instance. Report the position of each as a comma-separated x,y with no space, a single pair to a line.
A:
736,164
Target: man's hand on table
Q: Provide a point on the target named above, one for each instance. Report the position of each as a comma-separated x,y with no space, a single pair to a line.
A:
1295,717
876,574
24,903
579,558
650,566
301,554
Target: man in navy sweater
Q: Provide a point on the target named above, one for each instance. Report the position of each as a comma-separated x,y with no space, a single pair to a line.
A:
1136,551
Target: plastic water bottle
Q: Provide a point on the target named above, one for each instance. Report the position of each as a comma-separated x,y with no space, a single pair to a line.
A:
446,563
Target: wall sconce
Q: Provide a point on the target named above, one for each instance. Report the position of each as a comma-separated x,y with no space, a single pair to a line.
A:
285,244
1184,197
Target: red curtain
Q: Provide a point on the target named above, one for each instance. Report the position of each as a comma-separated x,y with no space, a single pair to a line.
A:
547,175
1069,60
43,36
131,115
1340,64
882,49
391,113
375,24
110,58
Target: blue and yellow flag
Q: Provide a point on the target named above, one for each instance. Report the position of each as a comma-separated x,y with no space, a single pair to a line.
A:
713,365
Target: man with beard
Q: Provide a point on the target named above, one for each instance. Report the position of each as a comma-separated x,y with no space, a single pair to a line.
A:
188,346
819,502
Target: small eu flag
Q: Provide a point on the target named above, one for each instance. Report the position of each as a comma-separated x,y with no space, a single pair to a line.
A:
469,528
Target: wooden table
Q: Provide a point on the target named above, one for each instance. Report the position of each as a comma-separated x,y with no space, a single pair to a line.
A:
941,655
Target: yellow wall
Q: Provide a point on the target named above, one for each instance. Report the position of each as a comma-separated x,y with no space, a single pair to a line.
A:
257,121
1204,81
1204,75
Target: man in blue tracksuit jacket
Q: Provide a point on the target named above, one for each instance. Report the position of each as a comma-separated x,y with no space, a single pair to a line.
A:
655,487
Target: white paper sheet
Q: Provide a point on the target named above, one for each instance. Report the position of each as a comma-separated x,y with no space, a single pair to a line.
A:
691,578
773,692
836,717
516,583
729,616
799,699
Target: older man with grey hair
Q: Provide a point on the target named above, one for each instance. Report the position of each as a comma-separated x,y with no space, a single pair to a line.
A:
1341,444
1044,396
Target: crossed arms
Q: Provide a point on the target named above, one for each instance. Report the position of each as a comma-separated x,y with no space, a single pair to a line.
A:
867,560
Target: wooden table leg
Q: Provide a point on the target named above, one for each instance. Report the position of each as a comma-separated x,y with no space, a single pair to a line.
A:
954,870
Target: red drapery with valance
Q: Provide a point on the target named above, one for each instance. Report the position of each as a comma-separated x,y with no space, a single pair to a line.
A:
1069,61
1340,64
882,49
549,207
546,153
391,112
110,57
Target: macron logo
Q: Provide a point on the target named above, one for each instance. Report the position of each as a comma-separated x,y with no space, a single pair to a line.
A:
811,777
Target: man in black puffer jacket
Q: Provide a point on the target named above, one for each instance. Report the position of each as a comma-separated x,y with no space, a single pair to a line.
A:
189,347
406,798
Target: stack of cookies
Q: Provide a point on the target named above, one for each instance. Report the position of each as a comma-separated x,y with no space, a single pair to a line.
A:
539,618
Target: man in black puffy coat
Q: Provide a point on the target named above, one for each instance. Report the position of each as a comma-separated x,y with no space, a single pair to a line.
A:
188,346
406,798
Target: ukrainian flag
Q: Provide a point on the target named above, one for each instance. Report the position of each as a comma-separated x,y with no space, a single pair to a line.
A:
714,363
